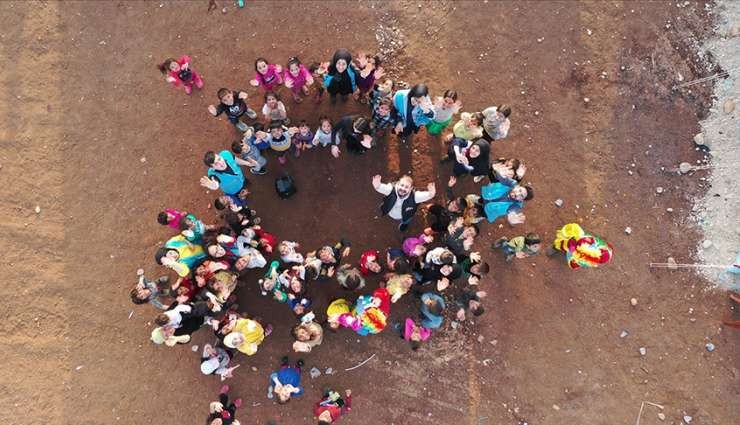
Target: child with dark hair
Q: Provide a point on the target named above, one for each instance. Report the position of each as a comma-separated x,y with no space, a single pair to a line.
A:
496,122
396,261
470,300
279,139
415,247
432,310
473,268
341,76
249,150
382,118
297,79
355,130
350,278
332,406
413,333
382,90
469,127
444,108
148,291
234,104
222,412
286,381
179,73
470,158
193,229
519,246
318,72
302,139
507,171
331,257
266,75
274,109
369,71
412,109
171,217
224,172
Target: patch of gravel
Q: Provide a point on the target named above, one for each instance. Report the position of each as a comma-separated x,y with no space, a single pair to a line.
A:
718,212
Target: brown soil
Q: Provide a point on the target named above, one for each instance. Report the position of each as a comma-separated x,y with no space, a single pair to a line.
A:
83,104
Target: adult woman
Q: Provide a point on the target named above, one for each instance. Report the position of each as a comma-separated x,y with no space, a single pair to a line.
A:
470,158
412,109
341,77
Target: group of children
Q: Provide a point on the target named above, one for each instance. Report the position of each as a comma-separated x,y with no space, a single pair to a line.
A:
438,265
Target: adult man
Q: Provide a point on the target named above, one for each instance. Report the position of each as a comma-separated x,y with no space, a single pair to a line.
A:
401,199
224,172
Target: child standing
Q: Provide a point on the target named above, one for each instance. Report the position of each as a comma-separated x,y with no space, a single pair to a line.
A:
171,217
519,246
369,71
267,76
148,291
302,139
318,72
444,108
340,78
286,381
432,310
279,140
381,91
382,118
297,79
469,126
496,122
179,73
247,150
323,136
413,333
274,109
288,252
234,105
222,412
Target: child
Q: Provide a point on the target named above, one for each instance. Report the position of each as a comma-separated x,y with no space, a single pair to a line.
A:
323,136
396,260
274,109
519,246
179,73
332,407
382,118
193,229
415,247
413,333
369,71
147,291
234,105
507,171
331,256
398,285
318,71
308,334
432,310
246,336
278,140
267,76
444,108
381,91
340,78
470,300
496,122
355,129
302,139
248,150
297,79
286,382
222,412
350,278
171,217
215,360
369,262
469,127
288,253
473,268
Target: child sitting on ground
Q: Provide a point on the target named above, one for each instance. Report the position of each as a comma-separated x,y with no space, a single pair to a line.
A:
519,246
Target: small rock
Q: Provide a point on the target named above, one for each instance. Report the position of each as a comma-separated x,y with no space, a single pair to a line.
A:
329,371
194,348
628,230
224,10
555,407
37,209
728,106
586,100
658,190
687,419
661,416
734,31
643,351
706,244
672,263
710,347
699,139
633,301
670,210
623,334
454,324
315,373
143,159
254,369
558,203
481,338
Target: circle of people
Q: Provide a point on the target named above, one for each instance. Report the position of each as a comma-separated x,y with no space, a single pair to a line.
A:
208,258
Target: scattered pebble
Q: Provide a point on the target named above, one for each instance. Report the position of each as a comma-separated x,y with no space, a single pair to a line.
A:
329,371
661,416
710,347
643,351
728,106
194,348
224,10
628,230
633,301
254,369
315,373
623,334
706,244
699,139
659,190
670,210
684,167
143,159
687,419
481,338
37,209
79,367
585,99
556,407
558,203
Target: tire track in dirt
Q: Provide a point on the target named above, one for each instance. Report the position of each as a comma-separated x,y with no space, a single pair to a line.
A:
32,322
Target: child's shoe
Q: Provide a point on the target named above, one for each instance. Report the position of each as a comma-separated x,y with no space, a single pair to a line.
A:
251,114
188,89
241,126
238,403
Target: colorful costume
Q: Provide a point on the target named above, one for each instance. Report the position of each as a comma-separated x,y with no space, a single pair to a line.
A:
581,249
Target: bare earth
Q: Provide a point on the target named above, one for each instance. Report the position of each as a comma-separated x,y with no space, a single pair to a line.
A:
83,105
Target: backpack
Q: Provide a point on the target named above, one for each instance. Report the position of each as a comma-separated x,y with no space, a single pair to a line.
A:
285,186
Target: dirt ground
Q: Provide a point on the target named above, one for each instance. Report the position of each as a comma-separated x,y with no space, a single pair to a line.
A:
93,136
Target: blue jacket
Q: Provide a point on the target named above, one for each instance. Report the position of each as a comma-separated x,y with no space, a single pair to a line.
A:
230,184
429,320
288,375
497,201
401,105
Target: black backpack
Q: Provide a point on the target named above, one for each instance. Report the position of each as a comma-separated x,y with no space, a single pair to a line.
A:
285,186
